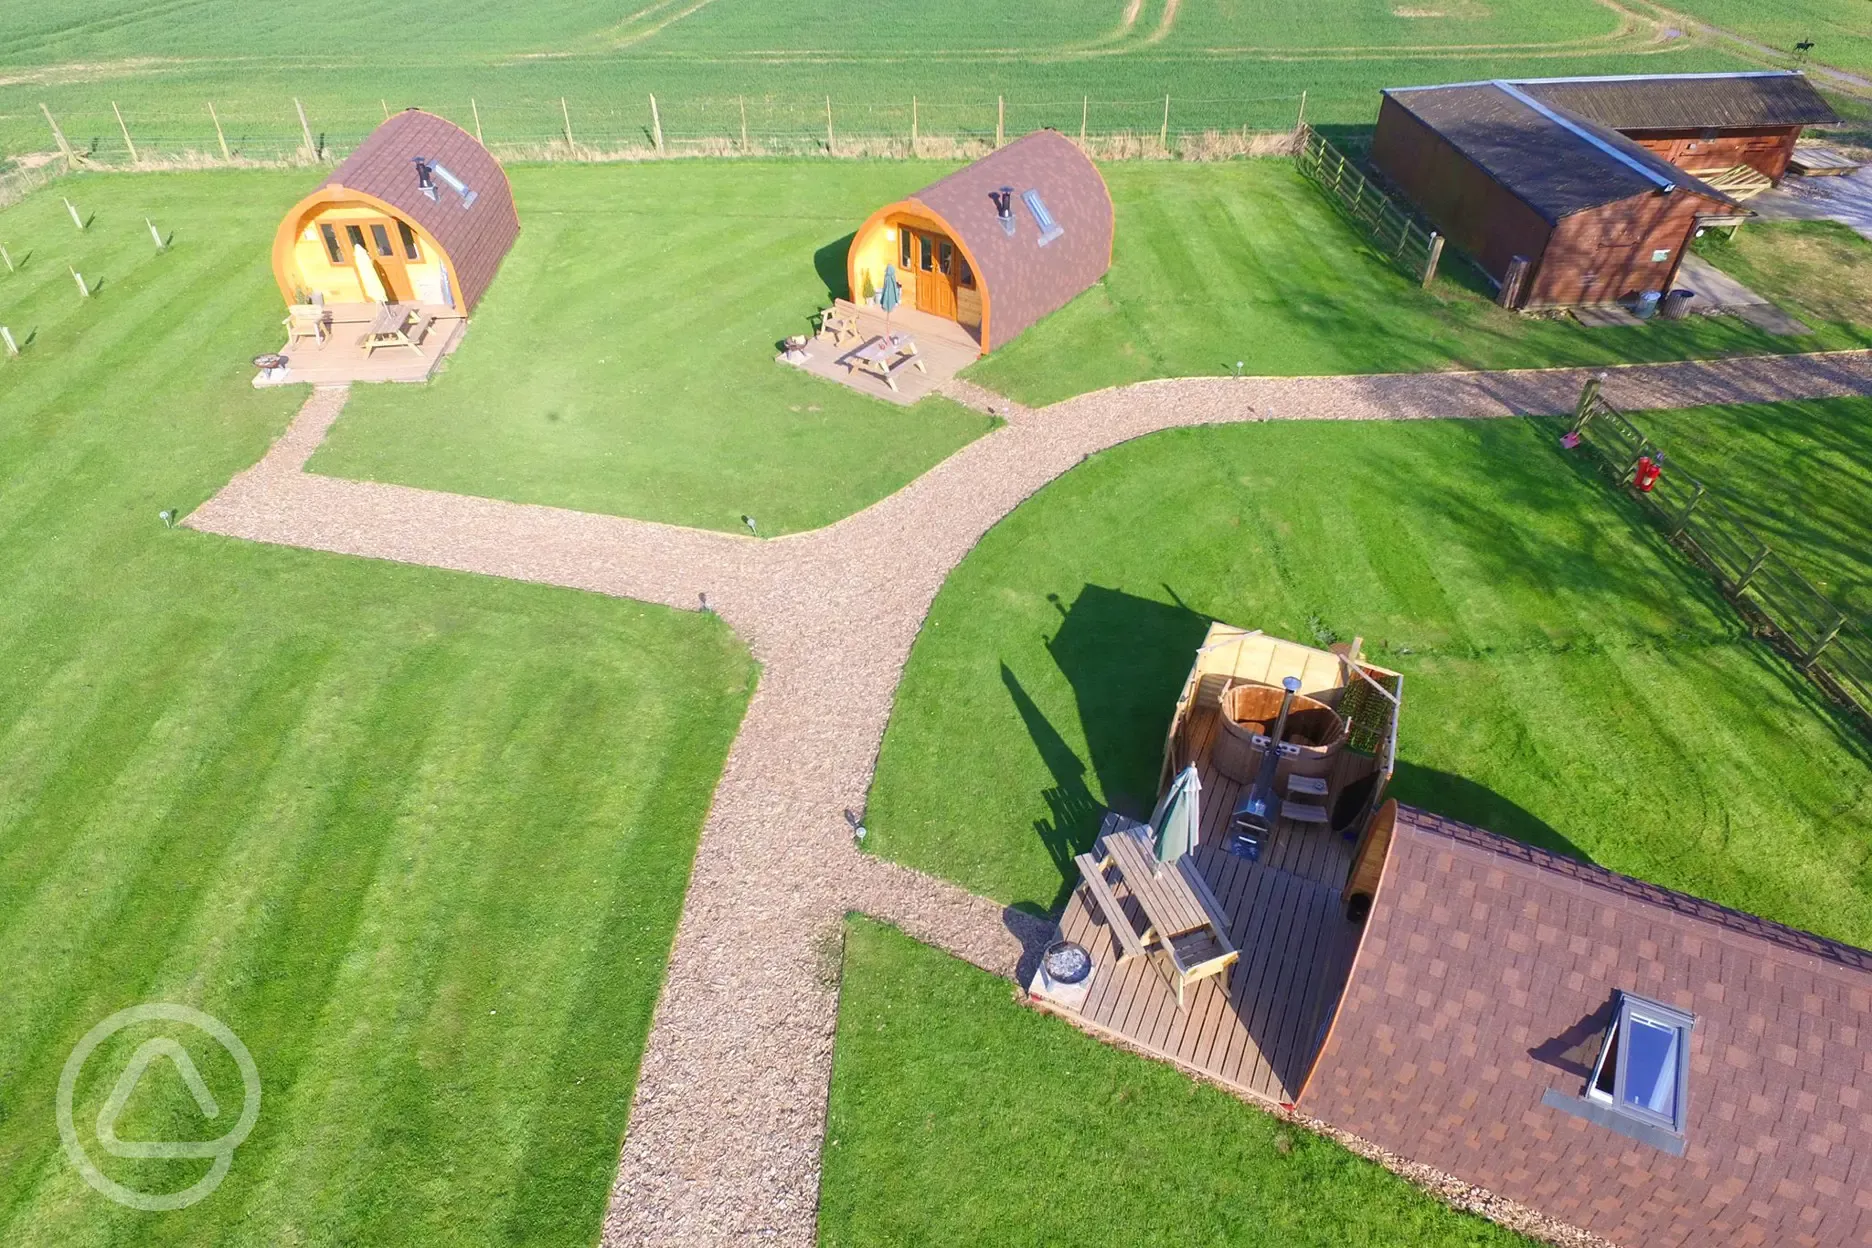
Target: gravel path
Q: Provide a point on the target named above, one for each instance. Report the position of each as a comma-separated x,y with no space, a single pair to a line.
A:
723,1145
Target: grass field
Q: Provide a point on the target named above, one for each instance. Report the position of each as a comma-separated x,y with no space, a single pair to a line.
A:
1569,680
1799,472
1228,64
1838,28
941,1081
624,360
1248,262
419,838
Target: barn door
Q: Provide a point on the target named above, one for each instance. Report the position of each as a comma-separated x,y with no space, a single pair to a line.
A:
1512,282
936,270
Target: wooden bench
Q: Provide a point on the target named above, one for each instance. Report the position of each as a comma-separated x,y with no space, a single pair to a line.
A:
1181,915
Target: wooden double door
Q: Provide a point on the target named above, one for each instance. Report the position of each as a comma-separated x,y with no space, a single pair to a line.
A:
938,267
390,244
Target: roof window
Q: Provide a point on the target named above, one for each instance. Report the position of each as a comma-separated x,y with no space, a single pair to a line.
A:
1640,1084
1049,228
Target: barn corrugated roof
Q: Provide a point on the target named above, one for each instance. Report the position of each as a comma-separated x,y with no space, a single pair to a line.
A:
476,238
1688,101
1484,979
1557,165
1025,280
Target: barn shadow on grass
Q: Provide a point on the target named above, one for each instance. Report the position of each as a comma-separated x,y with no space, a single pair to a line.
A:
829,262
1126,658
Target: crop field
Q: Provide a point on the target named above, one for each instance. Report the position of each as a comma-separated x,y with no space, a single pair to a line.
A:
1570,680
1227,64
1839,29
419,838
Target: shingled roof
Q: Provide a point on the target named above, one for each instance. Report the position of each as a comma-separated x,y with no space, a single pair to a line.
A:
1554,162
1024,279
1688,101
476,238
1485,979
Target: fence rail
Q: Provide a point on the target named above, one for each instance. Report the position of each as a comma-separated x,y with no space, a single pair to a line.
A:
1413,249
1821,638
202,133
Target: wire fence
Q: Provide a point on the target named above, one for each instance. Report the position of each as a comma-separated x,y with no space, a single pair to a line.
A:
1783,604
296,131
1406,244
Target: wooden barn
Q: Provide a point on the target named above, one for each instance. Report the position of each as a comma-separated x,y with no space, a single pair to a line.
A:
997,244
1705,123
420,213
1556,209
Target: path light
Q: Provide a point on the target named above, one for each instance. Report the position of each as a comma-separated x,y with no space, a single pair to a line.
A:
6,258
167,516
857,826
73,209
749,521
6,336
1238,368
705,606
84,291
156,234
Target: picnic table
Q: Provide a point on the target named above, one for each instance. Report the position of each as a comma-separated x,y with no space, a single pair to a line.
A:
396,325
883,355
1181,914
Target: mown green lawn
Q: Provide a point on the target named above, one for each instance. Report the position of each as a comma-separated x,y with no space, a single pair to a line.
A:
623,360
1799,473
1569,680
958,1117
1246,262
420,839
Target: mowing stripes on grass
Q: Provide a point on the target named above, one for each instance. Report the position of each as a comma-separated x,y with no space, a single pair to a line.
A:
420,839
958,1117
1571,681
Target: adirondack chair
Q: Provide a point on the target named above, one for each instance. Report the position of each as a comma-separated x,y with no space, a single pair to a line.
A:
306,320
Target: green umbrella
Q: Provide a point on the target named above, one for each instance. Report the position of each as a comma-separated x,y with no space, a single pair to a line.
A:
889,297
1178,817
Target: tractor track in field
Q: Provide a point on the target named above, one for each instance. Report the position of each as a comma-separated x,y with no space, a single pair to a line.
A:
729,1110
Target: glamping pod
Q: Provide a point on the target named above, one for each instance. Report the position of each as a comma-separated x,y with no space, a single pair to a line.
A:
996,245
1642,1064
419,213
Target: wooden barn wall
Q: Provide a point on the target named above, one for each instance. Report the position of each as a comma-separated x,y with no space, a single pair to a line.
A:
1474,212
1766,149
1604,254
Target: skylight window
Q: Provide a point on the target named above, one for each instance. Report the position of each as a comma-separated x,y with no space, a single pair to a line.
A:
1640,1084
1049,228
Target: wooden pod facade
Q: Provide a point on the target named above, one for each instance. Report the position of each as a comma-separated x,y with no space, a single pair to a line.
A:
996,245
433,232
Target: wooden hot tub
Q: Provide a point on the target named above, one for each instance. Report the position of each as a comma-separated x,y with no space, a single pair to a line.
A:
1248,714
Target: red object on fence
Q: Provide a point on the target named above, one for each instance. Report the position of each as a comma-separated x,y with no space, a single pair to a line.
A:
1645,475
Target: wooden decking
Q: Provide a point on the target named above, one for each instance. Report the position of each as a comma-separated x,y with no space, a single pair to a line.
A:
945,348
1286,915
340,359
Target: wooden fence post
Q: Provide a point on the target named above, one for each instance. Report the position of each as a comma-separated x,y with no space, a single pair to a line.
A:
1813,656
830,143
744,143
1436,254
1085,110
565,115
1748,573
1163,135
134,158
1000,117
218,132
1683,517
913,125
71,161
1588,395
305,130
656,126
476,110
1300,122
